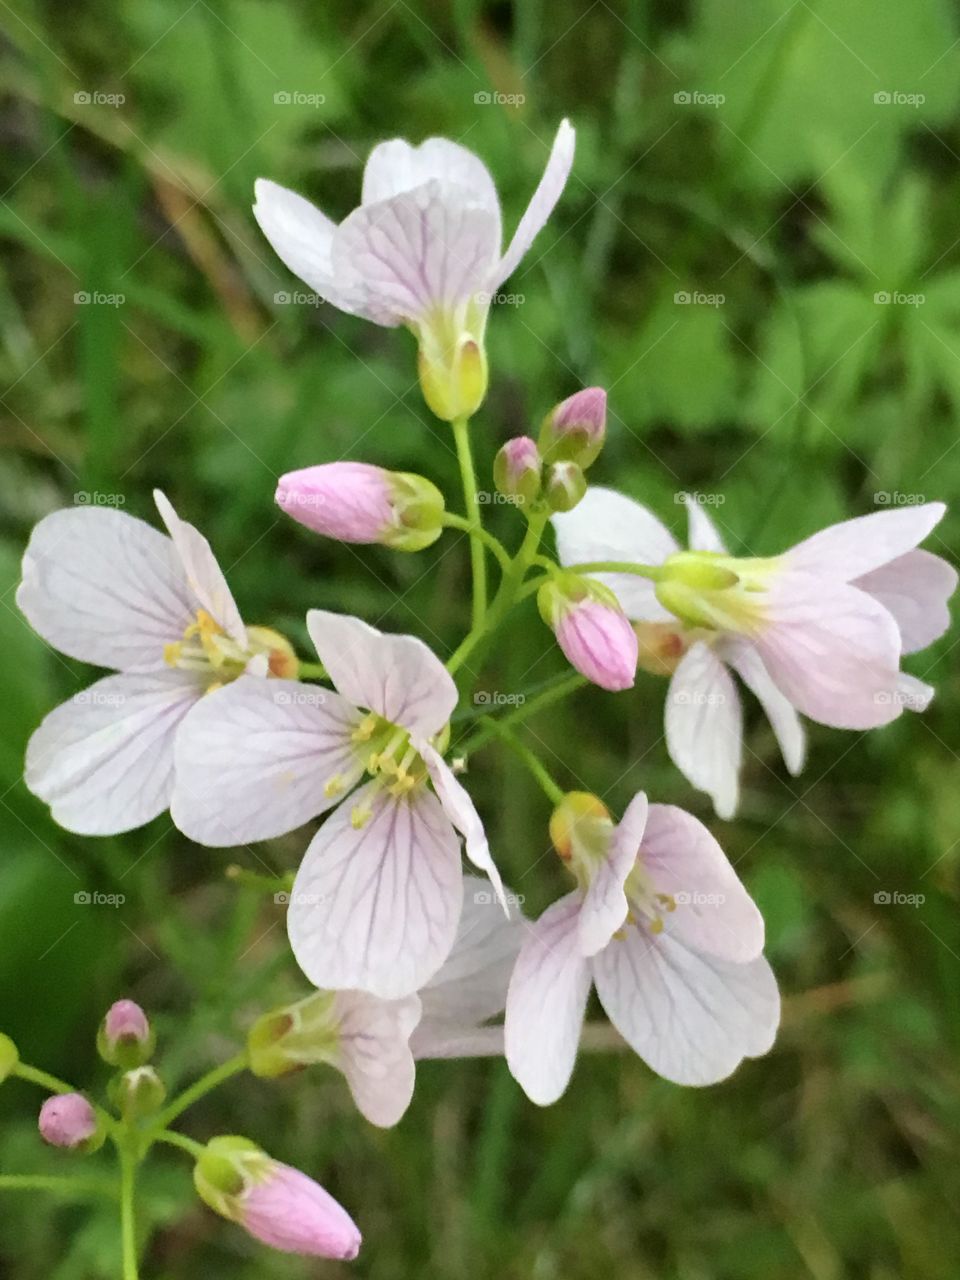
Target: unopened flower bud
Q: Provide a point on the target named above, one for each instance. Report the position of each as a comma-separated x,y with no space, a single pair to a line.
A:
453,375
125,1038
575,429
273,654
68,1120
139,1092
9,1057
358,502
276,1204
592,630
564,486
581,821
517,468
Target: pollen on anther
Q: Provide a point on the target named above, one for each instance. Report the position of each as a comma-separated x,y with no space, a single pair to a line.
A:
333,786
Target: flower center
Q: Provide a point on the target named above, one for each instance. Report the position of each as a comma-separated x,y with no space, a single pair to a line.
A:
718,592
389,759
646,905
207,649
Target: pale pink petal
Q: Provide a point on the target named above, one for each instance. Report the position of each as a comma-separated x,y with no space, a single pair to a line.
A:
448,1040
103,761
548,192
395,166
913,694
915,588
398,677
692,1018
374,1052
704,727
461,811
301,236
425,250
376,907
291,1212
605,903
546,1002
832,650
254,760
204,576
606,525
714,913
786,724
104,587
854,547
702,533
599,642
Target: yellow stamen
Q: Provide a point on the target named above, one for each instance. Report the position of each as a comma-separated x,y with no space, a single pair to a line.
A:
333,787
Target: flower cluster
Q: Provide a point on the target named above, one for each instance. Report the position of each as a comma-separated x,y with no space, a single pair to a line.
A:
242,740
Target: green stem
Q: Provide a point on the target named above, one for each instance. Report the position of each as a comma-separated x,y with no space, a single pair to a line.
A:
553,791
55,1182
478,563
502,555
194,1149
549,696
43,1079
311,671
128,1221
652,571
233,1066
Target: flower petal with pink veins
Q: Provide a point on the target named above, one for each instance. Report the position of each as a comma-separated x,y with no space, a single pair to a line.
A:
832,650
786,724
605,904
376,908
289,1211
704,727
104,587
103,761
692,1018
374,1053
396,676
714,913
915,588
300,235
852,548
462,812
395,166
542,202
606,525
204,576
546,1002
254,758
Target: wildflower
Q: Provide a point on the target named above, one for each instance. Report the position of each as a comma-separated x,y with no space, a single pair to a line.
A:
68,1120
591,629
356,502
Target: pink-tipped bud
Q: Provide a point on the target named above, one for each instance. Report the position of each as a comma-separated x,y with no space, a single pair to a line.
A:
125,1038
574,431
592,630
276,1204
68,1120
358,502
517,468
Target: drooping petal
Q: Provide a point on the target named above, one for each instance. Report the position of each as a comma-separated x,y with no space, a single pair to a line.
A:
605,905
714,913
301,236
462,812
704,727
376,908
546,1001
398,677
395,166
374,1052
606,525
104,587
786,724
832,650
854,547
915,588
548,192
702,533
692,1018
258,758
204,576
424,251
103,761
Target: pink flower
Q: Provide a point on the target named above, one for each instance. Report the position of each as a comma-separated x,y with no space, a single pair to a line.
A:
818,630
516,469
289,1211
67,1120
592,630
575,429
356,502
125,1038
662,926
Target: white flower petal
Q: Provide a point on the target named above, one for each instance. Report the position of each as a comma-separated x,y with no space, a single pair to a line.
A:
254,758
204,576
605,905
714,913
376,908
301,236
398,677
395,167
704,727
461,811
374,1052
103,761
786,724
546,1002
548,192
914,694
702,533
104,587
915,588
606,525
454,1040
692,1018
854,547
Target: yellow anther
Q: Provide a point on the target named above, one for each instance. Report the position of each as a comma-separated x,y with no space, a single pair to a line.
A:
365,729
656,925
171,652
359,817
217,684
333,786
667,901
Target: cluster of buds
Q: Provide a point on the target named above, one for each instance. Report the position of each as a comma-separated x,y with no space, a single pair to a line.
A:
550,470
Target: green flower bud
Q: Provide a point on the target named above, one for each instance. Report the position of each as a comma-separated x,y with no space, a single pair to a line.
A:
137,1093
9,1057
517,470
564,486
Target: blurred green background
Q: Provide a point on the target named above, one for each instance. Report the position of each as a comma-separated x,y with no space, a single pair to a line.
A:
786,166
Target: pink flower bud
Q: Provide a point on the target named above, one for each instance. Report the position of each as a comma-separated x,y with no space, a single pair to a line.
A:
516,469
357,502
68,1120
289,1211
125,1038
575,429
592,630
